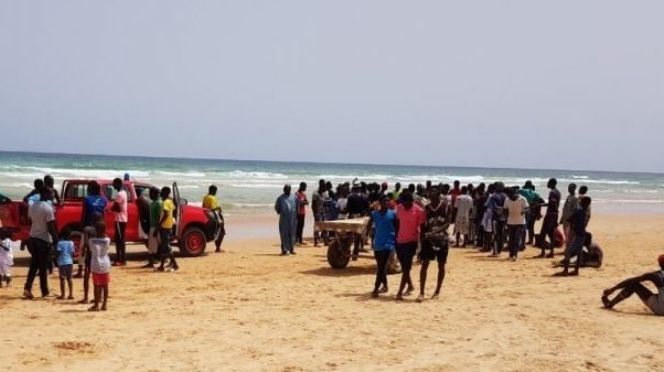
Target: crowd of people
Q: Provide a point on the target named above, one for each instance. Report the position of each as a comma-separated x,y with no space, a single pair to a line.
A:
415,222
408,223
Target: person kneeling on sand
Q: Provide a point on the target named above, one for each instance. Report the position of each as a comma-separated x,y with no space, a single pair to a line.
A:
655,302
591,255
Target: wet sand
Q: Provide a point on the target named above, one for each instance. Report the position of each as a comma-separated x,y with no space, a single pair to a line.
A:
250,309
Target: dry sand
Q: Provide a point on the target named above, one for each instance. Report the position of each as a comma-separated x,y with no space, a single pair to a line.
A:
250,309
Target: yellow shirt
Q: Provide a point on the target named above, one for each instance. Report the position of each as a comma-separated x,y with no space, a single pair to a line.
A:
168,208
210,202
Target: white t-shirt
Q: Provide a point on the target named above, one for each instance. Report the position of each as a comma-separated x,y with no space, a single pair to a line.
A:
41,213
464,203
516,210
100,263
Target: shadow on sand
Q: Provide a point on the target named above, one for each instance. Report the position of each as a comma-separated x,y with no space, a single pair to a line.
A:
348,271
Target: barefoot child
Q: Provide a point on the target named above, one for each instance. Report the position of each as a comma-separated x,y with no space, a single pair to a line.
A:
6,257
65,259
100,266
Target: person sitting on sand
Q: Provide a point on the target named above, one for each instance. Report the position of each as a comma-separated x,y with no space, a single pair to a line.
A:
591,255
286,208
655,302
435,243
384,242
100,266
578,223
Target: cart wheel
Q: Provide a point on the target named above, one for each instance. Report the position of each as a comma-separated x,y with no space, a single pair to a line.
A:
393,266
338,252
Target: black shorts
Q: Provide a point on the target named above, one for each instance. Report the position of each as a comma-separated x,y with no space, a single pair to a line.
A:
439,252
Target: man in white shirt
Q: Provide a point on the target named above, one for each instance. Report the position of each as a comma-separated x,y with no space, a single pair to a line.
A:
464,204
43,234
515,207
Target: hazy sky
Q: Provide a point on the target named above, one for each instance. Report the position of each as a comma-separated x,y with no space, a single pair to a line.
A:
544,84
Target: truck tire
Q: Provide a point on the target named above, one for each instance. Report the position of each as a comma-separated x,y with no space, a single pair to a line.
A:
339,256
193,242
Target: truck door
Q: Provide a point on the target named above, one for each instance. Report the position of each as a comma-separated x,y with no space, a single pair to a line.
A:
178,210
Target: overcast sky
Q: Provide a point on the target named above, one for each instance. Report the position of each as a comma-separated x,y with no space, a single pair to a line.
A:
538,84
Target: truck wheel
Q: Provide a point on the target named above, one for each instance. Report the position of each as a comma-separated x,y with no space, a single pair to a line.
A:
338,255
193,242
393,266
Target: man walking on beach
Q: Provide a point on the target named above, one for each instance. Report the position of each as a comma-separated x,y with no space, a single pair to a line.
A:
384,221
410,218
550,222
43,234
302,202
120,211
435,244
571,204
286,208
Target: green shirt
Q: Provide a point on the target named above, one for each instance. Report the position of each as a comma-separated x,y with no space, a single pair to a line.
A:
530,195
155,213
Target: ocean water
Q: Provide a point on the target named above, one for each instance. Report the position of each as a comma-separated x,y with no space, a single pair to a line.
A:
252,186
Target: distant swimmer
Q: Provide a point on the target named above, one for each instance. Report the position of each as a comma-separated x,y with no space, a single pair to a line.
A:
655,302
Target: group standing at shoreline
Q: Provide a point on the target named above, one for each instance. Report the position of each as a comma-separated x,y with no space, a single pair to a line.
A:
416,221
412,223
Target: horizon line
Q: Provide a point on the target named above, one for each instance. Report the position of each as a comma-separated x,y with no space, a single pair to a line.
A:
318,163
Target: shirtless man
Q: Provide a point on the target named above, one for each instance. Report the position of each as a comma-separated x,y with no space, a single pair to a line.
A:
655,302
435,242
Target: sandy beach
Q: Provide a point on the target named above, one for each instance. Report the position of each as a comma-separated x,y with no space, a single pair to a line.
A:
250,309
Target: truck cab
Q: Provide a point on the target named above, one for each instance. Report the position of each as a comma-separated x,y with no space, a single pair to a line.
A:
195,226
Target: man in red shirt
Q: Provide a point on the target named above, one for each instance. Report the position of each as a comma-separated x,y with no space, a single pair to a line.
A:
301,196
410,218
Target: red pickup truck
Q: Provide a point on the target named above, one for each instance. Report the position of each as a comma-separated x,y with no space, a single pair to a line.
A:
195,226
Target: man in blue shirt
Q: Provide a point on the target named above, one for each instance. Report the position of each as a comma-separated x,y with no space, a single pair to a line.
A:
384,242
